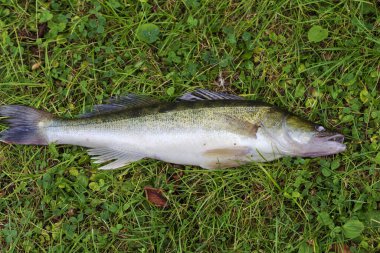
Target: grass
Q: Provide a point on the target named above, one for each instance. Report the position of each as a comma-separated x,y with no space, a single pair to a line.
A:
66,56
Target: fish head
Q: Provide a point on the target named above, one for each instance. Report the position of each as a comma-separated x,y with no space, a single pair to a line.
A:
309,139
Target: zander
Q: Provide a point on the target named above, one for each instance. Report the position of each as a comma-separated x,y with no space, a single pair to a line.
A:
204,128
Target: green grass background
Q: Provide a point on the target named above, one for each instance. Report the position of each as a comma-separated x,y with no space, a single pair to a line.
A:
65,56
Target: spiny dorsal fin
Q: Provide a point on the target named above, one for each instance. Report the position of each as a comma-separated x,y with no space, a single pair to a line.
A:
119,158
202,94
120,103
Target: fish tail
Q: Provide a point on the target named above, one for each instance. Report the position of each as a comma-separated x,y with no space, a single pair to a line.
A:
26,125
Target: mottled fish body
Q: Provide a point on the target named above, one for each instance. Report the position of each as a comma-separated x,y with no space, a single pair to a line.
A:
206,129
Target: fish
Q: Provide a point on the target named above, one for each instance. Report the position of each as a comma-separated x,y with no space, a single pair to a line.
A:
212,130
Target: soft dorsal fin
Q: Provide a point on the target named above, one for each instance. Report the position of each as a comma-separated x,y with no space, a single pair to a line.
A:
115,158
120,103
202,94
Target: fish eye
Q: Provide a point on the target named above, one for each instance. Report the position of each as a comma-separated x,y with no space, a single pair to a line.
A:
320,128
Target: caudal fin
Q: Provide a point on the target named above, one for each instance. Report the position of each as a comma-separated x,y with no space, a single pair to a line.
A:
26,125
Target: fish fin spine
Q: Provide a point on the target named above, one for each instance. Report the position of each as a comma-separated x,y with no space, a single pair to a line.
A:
203,94
25,125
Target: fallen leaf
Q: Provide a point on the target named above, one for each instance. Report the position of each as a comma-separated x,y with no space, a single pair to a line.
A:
155,196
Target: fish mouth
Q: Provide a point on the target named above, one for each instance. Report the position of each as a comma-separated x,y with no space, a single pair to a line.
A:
339,138
324,145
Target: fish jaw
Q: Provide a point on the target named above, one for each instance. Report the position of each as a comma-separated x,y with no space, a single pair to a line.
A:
324,146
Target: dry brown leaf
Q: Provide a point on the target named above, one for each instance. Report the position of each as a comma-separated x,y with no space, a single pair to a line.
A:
155,196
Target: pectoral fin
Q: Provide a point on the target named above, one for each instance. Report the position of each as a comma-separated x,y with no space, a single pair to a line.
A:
227,152
226,157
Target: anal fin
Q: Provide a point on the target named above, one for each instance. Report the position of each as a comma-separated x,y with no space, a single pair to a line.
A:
113,157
